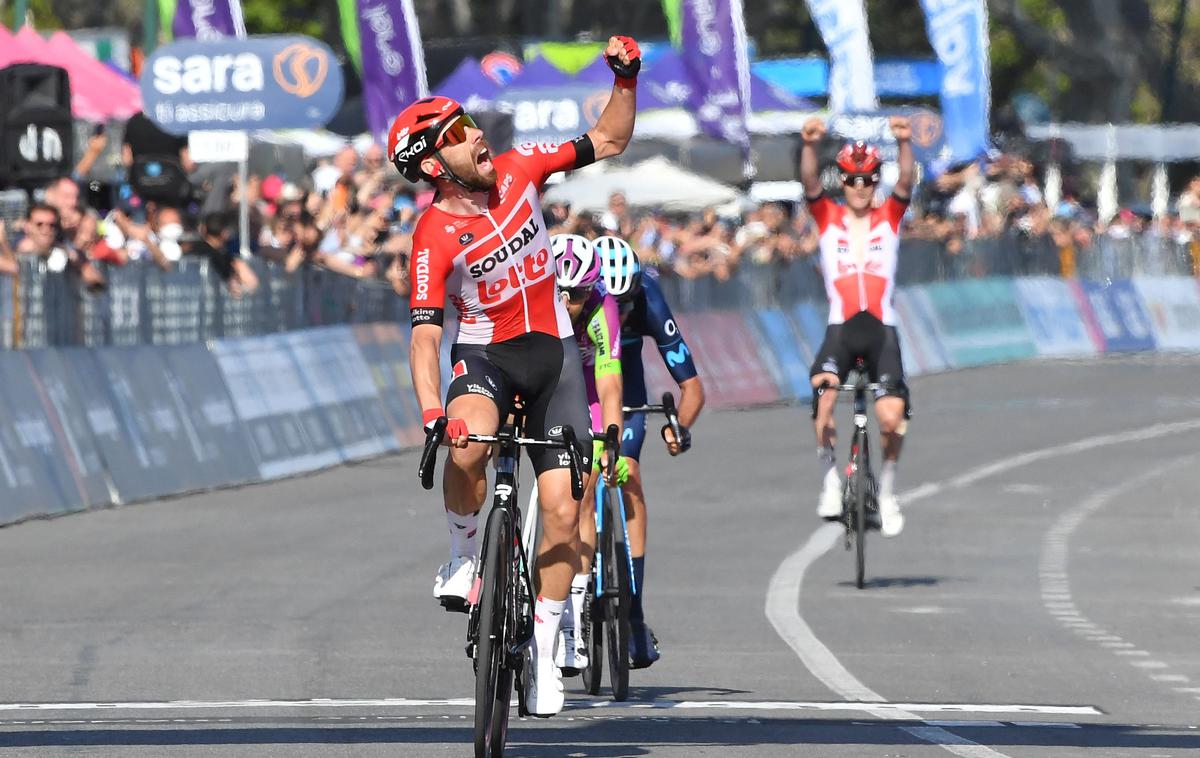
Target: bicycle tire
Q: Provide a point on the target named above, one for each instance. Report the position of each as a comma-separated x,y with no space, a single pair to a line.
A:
862,461
616,619
493,676
593,673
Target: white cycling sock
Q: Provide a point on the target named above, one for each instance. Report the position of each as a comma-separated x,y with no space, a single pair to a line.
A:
463,531
547,616
887,479
827,460
576,600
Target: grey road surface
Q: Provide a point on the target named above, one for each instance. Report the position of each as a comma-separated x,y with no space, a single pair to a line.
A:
1043,601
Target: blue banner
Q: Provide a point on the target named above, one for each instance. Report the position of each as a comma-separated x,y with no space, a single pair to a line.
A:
1053,317
276,82
781,344
958,33
901,77
1120,318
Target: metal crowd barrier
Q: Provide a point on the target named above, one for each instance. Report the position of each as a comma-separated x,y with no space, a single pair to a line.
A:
144,305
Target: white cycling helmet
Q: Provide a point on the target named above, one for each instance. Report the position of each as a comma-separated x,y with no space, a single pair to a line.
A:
575,261
619,266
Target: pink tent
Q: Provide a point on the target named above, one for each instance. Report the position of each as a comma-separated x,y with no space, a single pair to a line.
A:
126,96
91,100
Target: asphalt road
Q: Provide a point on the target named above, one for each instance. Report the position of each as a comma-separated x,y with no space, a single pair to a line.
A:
1043,601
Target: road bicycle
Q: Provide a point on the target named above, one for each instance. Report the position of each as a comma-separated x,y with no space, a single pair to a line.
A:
860,504
500,617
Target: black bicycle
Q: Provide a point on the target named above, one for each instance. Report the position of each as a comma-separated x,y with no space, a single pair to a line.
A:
860,504
500,621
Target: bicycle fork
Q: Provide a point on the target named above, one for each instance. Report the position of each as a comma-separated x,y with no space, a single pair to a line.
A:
601,501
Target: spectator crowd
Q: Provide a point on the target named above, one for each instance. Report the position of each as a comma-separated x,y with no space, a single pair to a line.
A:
353,215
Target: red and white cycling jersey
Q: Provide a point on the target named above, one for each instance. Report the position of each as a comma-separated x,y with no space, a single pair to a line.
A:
855,285
496,268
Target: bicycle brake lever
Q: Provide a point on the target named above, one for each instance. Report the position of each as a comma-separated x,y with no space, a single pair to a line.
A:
433,439
572,442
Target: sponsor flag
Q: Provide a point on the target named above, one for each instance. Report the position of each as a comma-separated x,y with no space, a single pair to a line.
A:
674,14
348,16
393,61
208,20
715,58
958,33
843,26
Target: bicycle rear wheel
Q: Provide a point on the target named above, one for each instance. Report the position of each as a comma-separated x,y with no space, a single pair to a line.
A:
861,463
493,675
616,619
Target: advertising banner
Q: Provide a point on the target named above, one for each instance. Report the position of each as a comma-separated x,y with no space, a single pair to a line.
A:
208,20
920,343
55,384
780,340
340,387
727,357
1053,316
980,321
393,60
270,82
810,322
714,52
35,478
225,455
271,399
958,33
1173,304
1115,314
385,349
843,27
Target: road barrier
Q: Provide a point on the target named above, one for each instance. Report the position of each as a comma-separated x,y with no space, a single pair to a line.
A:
88,427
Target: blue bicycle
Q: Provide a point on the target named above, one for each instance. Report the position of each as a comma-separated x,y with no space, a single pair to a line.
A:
611,588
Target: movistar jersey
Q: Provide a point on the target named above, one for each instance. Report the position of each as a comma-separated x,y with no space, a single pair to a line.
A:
648,315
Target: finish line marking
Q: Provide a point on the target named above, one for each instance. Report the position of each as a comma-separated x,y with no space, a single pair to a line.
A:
574,705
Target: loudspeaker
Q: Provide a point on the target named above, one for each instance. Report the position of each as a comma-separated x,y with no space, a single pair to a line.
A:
37,143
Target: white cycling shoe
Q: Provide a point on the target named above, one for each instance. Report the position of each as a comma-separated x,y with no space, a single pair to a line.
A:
452,585
570,654
891,520
830,504
544,693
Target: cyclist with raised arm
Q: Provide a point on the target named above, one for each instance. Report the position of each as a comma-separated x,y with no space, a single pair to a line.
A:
483,246
859,248
596,321
645,313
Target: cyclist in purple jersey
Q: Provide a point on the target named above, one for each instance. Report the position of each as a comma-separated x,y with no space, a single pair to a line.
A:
595,319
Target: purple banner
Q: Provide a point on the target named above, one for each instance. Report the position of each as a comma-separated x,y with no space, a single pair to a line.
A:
714,55
393,61
208,20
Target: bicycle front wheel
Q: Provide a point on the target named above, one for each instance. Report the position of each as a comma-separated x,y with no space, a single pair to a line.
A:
493,676
861,464
594,629
616,621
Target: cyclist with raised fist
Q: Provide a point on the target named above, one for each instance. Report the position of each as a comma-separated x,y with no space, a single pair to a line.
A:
859,248
483,247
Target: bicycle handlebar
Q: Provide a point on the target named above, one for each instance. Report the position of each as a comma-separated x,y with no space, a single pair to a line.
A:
435,435
667,408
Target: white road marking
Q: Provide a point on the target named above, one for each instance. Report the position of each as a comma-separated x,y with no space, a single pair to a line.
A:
1053,571
585,705
784,590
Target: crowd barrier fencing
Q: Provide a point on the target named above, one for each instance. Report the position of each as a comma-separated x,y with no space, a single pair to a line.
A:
84,427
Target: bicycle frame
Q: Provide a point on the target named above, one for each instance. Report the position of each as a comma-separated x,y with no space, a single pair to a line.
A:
601,502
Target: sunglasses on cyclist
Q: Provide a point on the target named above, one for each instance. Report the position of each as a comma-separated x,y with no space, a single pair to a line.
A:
455,132
860,180
577,294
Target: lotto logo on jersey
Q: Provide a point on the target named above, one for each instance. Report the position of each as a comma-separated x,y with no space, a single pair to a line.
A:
487,264
460,369
529,148
531,268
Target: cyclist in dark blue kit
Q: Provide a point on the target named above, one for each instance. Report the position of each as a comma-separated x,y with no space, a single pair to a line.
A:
645,313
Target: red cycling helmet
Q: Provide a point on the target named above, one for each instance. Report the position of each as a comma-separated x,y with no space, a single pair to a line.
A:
419,130
858,158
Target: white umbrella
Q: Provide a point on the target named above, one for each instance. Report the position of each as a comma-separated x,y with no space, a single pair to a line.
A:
655,182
